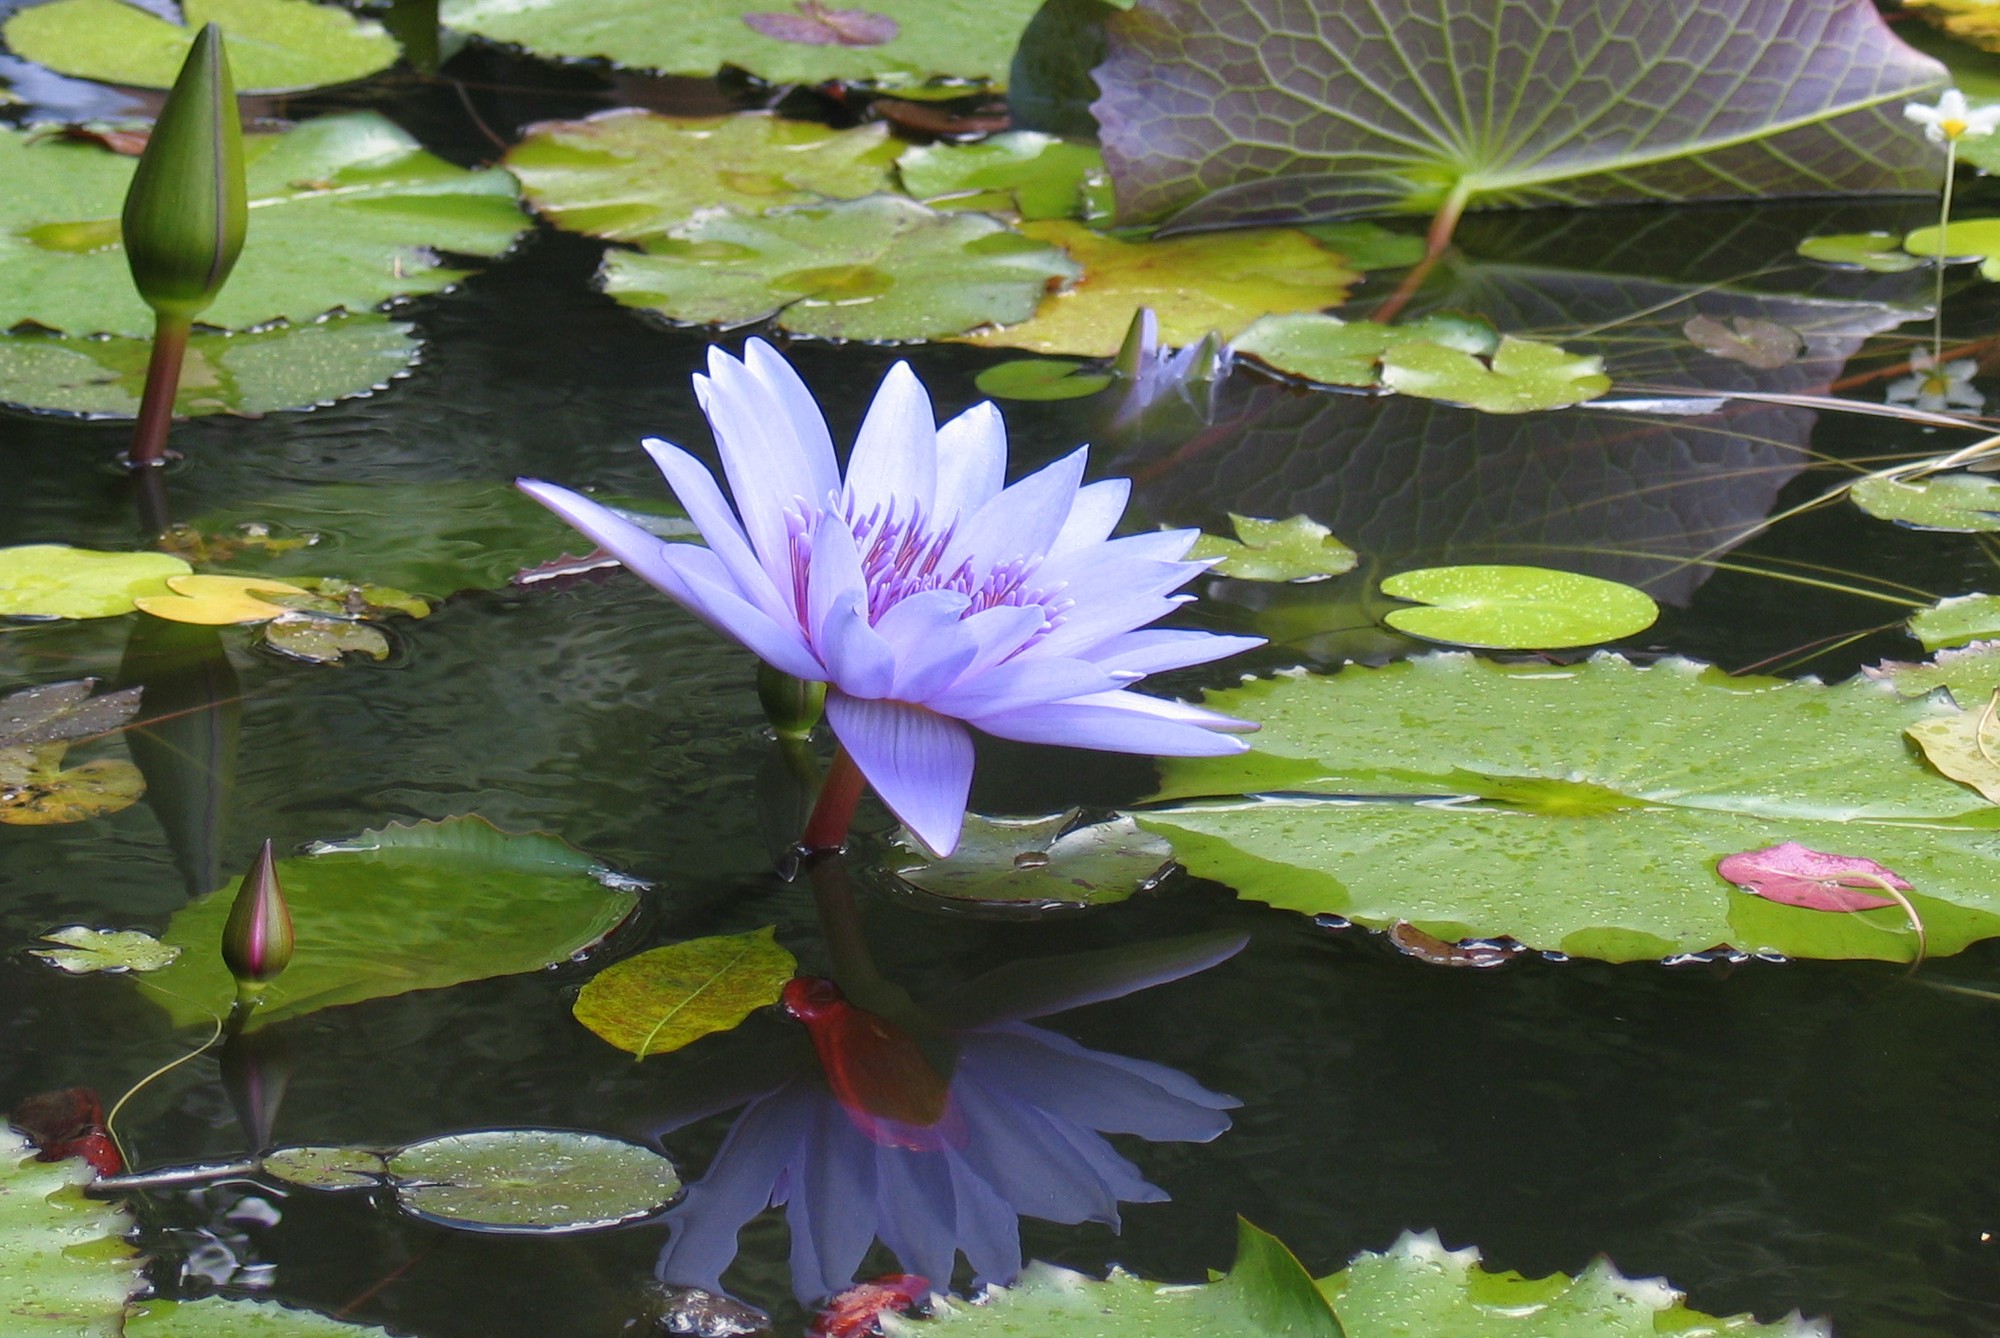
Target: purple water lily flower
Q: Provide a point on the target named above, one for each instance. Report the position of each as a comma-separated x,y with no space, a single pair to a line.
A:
924,593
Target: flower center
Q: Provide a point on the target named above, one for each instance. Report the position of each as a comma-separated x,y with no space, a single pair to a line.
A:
1952,127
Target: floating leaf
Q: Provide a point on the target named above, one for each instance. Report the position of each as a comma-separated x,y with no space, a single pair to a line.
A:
1524,375
1369,246
661,1000
217,601
65,1269
275,46
347,212
317,639
222,1317
36,790
627,174
1793,875
86,951
1960,503
61,712
879,268
1966,239
1514,103
973,39
1041,379
1562,806
1955,621
1032,174
816,25
532,1180
1049,862
1221,281
1964,746
404,908
1750,340
1298,549
329,1168
1881,252
1971,673
57,581
1516,608
1335,352
257,372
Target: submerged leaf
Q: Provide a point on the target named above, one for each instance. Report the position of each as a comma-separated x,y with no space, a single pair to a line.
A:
86,951
1523,376
1503,607
57,581
664,999
328,1168
1793,875
317,639
1750,340
1296,549
542,1181
1958,503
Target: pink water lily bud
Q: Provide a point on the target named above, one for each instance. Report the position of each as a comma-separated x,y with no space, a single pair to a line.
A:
257,940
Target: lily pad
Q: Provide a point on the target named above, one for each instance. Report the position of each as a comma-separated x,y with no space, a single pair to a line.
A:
61,712
37,790
628,174
661,1000
1023,171
57,581
1370,246
274,46
317,639
1221,281
877,268
972,39
1956,621
1581,808
257,372
1233,112
543,1181
1879,252
1335,352
1503,607
218,601
1964,745
328,1168
86,951
223,1317
65,1268
345,212
1966,239
1041,379
1959,503
1970,672
1298,549
1047,862
399,909
1524,375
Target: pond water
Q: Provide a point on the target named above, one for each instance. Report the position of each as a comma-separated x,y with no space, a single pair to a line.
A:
1768,1135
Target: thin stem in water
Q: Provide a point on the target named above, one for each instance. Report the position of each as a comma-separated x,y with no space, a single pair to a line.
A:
1944,226
163,382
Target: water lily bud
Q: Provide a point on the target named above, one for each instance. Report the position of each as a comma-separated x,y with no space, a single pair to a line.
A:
257,940
187,209
1142,337
793,705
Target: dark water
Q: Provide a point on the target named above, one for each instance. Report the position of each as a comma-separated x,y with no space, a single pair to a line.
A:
1768,1136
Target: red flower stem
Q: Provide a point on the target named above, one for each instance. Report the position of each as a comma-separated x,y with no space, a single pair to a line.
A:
833,811
163,382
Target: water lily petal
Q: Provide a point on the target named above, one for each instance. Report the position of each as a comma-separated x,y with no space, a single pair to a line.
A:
1095,513
916,1211
1156,650
835,579
931,642
857,659
895,454
703,1226
1121,722
836,1176
1017,1150
694,487
971,462
1001,632
768,468
1022,520
1024,682
919,762
1095,1090
988,1228
800,413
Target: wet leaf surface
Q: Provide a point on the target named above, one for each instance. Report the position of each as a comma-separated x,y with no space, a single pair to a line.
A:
37,790
317,639
1960,503
1956,621
1964,746
1794,875
86,951
1336,352
1503,607
57,581
1971,672
329,1168
1031,174
218,601
1050,862
65,1269
543,1181
815,24
1295,549
62,712
1523,376
665,998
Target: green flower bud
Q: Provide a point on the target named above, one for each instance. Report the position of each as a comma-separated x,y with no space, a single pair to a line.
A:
793,705
187,210
257,940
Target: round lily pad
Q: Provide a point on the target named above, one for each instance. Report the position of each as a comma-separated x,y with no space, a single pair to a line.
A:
541,1181
57,581
86,951
1043,862
1881,252
1041,379
1523,375
318,639
327,1167
1505,607
1960,503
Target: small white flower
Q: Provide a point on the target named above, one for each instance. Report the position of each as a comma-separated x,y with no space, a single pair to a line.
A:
1952,119
1936,389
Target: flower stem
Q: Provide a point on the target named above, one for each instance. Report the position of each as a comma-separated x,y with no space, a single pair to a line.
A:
1944,224
833,812
163,382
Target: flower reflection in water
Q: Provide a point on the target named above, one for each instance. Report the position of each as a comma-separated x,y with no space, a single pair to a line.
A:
875,1141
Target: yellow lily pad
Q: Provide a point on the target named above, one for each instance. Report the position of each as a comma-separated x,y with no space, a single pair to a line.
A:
218,601
57,581
36,790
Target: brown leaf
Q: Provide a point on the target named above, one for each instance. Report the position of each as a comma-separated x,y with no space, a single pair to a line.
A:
1414,942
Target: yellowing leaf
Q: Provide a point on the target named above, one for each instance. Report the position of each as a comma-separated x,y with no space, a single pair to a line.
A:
1964,746
217,601
1216,281
35,790
664,999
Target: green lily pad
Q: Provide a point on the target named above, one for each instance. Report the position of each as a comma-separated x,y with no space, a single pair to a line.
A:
1581,808
1970,673
543,1181
1504,607
628,174
1029,173
262,371
1369,246
37,790
222,1317
345,212
972,39
57,581
399,909
1046,862
316,639
65,1268
1335,352
1960,503
61,712
1214,281
1881,252
1041,379
328,1168
661,1000
1966,239
274,46
86,951
1523,376
1955,621
1298,549
877,268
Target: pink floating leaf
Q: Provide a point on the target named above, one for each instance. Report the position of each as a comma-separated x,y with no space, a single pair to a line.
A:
816,25
1796,875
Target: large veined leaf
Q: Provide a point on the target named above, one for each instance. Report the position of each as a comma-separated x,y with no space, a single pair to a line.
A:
1223,112
973,39
65,1269
345,211
1582,808
399,909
